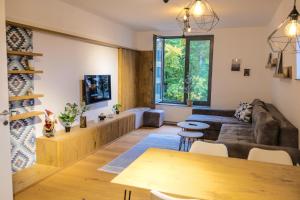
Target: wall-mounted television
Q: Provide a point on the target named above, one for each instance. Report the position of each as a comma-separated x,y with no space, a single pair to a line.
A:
96,88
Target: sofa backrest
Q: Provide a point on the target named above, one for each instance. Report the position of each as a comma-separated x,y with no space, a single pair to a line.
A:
288,135
265,127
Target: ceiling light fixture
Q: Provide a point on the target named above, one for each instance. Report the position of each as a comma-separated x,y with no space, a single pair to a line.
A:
197,16
286,36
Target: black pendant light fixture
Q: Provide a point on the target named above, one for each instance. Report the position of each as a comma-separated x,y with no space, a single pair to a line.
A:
197,16
286,36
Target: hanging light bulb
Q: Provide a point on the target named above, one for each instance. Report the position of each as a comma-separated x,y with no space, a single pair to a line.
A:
186,14
189,29
199,8
286,36
292,29
199,15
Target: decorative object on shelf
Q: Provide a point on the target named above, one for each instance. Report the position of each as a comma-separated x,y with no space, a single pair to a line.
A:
102,117
116,108
269,63
111,115
247,72
13,113
274,62
236,64
83,109
49,126
30,92
286,36
288,72
69,115
30,64
197,16
279,68
188,88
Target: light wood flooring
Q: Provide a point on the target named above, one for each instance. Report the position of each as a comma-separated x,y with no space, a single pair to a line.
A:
82,181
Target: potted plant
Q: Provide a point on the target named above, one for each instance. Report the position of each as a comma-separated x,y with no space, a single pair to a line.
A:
83,109
69,115
188,89
116,108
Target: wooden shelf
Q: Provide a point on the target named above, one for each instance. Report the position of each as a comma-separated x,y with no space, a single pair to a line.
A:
26,97
25,115
25,71
20,53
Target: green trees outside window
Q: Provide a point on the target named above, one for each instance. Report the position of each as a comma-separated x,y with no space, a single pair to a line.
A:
184,71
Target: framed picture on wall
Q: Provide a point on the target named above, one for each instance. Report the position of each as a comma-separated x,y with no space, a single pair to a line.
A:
236,64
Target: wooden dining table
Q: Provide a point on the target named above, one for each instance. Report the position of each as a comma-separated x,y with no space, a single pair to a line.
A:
209,178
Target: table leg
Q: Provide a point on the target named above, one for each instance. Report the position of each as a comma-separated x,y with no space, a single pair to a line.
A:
180,144
125,195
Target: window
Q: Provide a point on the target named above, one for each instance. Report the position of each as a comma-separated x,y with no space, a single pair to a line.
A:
183,69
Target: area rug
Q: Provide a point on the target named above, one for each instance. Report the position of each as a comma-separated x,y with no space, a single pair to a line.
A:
151,141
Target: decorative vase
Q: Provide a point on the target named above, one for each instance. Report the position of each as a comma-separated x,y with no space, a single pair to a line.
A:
82,121
67,129
189,103
117,112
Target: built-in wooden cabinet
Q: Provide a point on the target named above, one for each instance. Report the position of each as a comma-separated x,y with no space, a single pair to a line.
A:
67,148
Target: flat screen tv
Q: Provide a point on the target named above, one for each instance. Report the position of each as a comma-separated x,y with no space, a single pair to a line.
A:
96,88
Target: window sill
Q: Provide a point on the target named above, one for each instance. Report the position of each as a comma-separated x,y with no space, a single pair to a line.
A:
181,105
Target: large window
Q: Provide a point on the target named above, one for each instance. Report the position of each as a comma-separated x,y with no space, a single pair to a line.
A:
183,69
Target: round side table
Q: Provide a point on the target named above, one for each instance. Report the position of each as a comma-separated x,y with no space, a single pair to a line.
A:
187,138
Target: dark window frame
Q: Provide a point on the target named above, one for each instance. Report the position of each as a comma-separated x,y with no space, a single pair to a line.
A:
186,67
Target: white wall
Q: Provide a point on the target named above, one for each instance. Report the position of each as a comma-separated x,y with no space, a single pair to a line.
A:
285,93
65,62
229,88
5,169
63,17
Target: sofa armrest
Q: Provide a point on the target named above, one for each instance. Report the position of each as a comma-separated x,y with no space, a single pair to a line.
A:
241,150
210,111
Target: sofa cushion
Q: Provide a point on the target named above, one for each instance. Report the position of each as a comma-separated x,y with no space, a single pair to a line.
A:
236,133
266,129
243,112
214,121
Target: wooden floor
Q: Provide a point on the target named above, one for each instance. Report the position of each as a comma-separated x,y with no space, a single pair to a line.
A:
82,181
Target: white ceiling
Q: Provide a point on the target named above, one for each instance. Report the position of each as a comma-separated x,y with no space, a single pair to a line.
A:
154,15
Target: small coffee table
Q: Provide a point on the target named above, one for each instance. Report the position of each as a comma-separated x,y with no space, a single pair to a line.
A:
195,126
187,138
190,133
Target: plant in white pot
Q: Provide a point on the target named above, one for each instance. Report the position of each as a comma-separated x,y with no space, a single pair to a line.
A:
116,108
69,115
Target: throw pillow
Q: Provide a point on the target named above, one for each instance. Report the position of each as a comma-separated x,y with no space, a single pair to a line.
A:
244,112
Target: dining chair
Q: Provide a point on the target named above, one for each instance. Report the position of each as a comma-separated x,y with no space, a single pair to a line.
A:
270,156
155,195
212,149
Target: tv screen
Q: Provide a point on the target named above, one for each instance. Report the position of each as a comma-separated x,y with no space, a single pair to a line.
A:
96,88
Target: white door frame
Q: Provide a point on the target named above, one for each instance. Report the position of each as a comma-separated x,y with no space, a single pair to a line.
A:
5,157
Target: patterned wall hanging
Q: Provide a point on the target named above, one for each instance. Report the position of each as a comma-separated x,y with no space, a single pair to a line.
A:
22,131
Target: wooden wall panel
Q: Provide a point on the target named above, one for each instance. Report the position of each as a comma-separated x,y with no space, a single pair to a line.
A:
145,88
127,69
135,79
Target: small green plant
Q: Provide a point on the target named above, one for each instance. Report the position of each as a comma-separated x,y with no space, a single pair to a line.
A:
117,107
83,109
69,115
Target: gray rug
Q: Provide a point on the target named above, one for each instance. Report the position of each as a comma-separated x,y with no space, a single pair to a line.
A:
152,141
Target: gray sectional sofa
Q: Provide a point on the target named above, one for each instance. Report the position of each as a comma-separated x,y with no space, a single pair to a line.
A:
269,129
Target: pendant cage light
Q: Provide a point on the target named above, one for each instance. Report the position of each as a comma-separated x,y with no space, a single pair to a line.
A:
197,16
286,36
